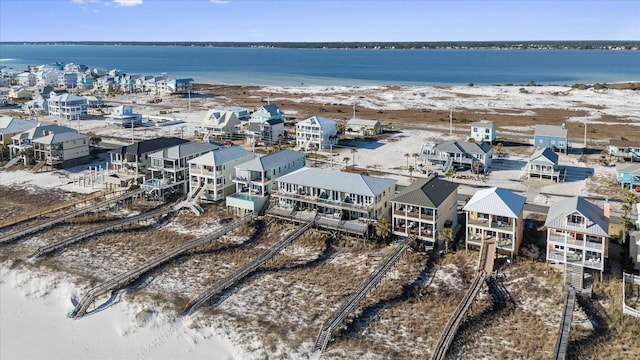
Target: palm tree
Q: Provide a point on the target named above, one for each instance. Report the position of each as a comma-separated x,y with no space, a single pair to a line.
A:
411,169
446,234
353,163
95,140
498,149
383,228
407,156
628,199
346,161
477,165
415,159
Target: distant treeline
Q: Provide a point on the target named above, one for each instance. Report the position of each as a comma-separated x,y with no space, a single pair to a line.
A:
576,45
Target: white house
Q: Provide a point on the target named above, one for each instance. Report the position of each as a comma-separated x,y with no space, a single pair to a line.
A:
221,123
67,106
123,116
483,131
361,127
254,178
318,131
211,174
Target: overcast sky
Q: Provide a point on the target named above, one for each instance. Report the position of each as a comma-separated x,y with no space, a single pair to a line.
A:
317,20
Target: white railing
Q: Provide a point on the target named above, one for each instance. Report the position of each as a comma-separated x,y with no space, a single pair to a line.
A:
626,309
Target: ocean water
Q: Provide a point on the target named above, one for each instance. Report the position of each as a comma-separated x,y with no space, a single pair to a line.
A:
279,66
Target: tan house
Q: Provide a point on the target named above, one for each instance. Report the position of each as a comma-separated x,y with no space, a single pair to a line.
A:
495,213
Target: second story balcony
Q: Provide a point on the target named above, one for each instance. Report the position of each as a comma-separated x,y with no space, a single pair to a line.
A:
338,204
569,239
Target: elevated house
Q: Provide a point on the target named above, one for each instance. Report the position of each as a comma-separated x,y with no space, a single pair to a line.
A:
61,149
223,124
170,168
578,233
10,126
634,243
130,164
543,163
336,200
67,107
255,178
628,176
458,154
24,140
265,113
123,116
483,131
316,131
363,128
495,213
180,86
424,208
242,113
268,132
624,149
211,174
18,94
551,136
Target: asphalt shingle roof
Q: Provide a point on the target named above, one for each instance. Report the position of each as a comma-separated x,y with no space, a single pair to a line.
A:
147,146
428,192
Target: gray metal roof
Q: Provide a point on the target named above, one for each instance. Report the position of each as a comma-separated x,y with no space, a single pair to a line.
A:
596,224
550,130
9,125
429,192
317,121
633,169
184,150
482,124
545,155
496,201
271,161
221,155
363,122
461,147
57,138
338,181
43,130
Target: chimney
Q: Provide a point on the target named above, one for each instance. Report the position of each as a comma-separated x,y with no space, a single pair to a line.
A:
607,209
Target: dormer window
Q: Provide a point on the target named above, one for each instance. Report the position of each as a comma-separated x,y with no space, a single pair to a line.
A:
575,219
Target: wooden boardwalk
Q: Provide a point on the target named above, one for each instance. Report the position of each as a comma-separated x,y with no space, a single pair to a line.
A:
484,269
18,233
245,270
560,352
352,301
113,225
119,281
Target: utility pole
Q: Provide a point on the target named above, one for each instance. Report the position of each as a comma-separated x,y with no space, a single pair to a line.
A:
585,133
450,120
354,111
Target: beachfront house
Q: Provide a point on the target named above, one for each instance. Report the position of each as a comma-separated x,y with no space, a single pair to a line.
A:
221,124
578,233
61,150
458,154
211,174
316,131
551,136
130,163
628,176
624,149
10,126
265,113
23,141
363,128
254,179
169,169
67,107
634,243
123,116
337,200
543,163
424,208
483,131
495,213
180,86
269,132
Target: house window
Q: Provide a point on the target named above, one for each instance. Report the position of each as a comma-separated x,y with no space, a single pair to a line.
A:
486,131
575,219
561,144
475,129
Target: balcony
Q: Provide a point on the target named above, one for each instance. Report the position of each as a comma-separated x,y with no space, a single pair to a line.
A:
415,213
491,224
322,202
568,239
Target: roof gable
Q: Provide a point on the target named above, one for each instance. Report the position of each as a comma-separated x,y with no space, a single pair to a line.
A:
544,155
429,192
496,201
597,224
338,181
